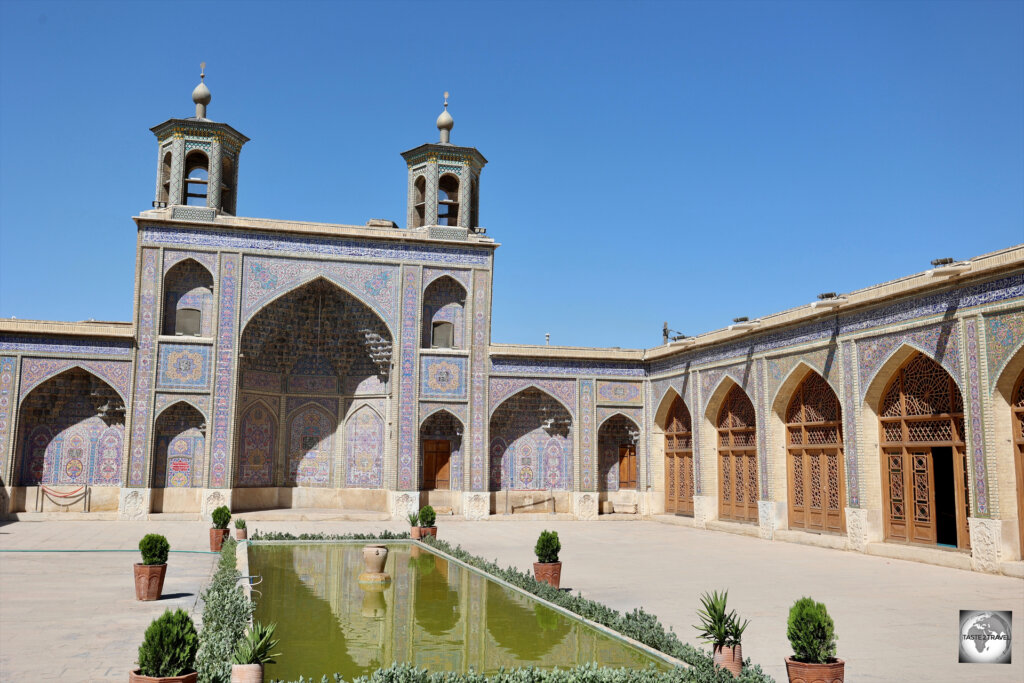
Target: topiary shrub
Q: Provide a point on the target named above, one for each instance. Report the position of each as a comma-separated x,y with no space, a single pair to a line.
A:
154,549
811,632
427,516
221,516
170,645
547,547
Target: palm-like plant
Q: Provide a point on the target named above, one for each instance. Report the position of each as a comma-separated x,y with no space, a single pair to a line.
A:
256,646
717,626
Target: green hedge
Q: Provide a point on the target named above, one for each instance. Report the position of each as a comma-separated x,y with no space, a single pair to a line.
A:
226,613
638,625
279,536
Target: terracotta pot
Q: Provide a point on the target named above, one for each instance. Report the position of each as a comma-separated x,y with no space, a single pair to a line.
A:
149,580
217,537
548,572
428,531
375,557
136,677
246,673
414,533
729,658
241,535
802,672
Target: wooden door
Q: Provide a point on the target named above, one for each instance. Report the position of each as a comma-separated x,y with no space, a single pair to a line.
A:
627,467
737,459
437,464
679,482
814,440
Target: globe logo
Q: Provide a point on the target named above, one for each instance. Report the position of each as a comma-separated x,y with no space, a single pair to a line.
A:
985,637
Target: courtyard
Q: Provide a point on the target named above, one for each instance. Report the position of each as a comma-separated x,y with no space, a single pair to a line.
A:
895,620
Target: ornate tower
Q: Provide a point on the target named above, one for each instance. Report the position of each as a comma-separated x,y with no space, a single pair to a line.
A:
197,163
444,181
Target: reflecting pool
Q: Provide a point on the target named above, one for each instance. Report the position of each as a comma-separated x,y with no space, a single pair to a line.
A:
434,614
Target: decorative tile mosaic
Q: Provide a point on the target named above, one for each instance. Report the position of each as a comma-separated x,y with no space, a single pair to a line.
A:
180,449
635,415
762,426
821,360
65,346
614,432
445,426
188,285
459,410
977,431
365,441
407,382
710,379
444,301
940,303
564,390
443,377
940,342
183,366
460,274
144,367
534,366
35,371
313,384
349,248
74,447
293,403
8,367
200,402
850,412
265,279
1004,334
310,437
257,435
478,404
222,411
173,257
587,480
257,380
619,392
524,452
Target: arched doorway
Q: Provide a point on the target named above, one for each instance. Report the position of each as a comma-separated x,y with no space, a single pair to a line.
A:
180,448
737,458
814,455
531,443
1017,405
616,447
71,431
441,446
678,459
924,469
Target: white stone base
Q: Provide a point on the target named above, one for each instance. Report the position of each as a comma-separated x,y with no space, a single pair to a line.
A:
771,515
584,506
986,544
705,509
863,527
476,505
213,499
133,504
401,504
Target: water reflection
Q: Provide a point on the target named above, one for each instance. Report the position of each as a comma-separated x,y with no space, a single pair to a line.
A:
434,614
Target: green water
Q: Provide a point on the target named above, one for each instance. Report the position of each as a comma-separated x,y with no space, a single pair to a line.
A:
434,614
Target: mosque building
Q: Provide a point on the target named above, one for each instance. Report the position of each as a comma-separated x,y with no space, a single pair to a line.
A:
282,364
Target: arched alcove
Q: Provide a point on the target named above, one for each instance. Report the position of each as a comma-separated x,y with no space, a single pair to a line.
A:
736,428
444,324
1007,415
676,426
616,447
365,446
531,443
441,452
188,300
180,448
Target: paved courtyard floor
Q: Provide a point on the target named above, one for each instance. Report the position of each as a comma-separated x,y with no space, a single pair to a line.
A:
63,612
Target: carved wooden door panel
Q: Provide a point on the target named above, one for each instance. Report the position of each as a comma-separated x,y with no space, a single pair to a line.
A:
678,460
737,458
436,464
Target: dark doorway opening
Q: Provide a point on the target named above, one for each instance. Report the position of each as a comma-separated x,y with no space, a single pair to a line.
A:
945,496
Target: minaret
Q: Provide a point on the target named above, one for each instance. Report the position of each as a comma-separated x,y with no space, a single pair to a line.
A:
197,162
444,180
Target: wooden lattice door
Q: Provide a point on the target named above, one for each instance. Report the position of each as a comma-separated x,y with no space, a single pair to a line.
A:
437,455
924,457
678,460
814,438
737,458
1018,455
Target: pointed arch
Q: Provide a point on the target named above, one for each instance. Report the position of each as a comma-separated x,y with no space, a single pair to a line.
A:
35,371
675,423
720,389
257,445
876,379
792,379
364,439
310,438
736,426
180,447
617,438
71,431
441,438
664,402
188,299
531,442
187,400
1007,416
526,385
444,302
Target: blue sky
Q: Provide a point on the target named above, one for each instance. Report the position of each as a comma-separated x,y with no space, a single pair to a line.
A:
682,161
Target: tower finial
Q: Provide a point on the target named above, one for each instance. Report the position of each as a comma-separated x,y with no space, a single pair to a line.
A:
445,122
201,95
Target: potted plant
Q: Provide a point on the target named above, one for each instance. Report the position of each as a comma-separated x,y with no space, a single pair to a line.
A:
241,533
221,516
414,526
812,635
168,652
722,630
252,652
547,568
427,519
149,574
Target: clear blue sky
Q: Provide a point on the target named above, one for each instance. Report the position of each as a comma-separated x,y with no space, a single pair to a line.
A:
683,161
